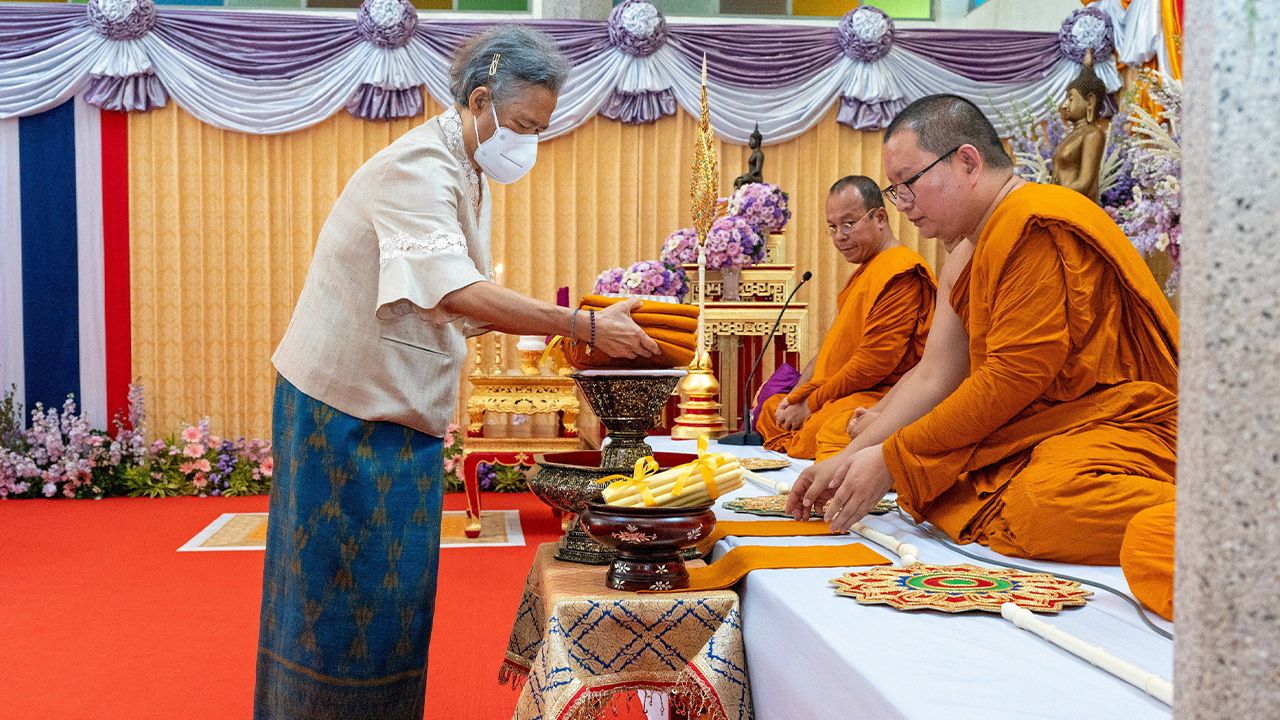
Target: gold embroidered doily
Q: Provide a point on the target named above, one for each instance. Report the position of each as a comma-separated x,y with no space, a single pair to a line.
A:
960,588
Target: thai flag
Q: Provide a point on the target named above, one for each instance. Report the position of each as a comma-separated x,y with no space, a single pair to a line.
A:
64,258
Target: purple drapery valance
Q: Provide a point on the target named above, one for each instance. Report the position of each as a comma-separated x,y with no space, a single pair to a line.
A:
28,30
262,45
987,55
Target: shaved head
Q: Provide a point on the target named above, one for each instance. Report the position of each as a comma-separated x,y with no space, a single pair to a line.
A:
944,122
866,188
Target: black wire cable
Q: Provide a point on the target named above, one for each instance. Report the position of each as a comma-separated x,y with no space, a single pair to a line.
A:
937,535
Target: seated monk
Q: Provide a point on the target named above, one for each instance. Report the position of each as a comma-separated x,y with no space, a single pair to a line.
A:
1042,430
953,296
879,330
1146,557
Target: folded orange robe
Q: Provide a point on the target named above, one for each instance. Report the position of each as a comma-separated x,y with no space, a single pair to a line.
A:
672,326
1066,426
833,436
1146,557
878,335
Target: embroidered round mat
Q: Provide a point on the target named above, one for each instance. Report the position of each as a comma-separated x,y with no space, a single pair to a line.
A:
960,588
764,463
776,506
765,506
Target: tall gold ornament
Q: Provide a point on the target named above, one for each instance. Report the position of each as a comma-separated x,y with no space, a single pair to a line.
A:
699,389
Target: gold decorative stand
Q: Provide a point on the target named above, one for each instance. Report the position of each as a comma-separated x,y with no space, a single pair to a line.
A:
549,401
698,391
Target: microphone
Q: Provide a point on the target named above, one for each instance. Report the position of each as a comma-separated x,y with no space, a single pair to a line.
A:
748,435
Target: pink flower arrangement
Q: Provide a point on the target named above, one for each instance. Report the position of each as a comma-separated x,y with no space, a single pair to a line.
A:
734,242
764,205
62,455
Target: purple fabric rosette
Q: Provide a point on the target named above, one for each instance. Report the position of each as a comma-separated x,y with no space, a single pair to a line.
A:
387,23
122,19
865,34
637,28
1087,29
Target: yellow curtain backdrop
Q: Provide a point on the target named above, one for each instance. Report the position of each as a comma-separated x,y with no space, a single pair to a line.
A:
223,225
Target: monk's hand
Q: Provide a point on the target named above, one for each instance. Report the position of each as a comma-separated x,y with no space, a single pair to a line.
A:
816,485
793,416
617,335
865,480
780,412
861,420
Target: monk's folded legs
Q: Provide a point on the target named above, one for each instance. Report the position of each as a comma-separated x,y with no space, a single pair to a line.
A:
1074,498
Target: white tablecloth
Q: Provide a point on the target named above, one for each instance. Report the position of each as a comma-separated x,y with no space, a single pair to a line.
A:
812,654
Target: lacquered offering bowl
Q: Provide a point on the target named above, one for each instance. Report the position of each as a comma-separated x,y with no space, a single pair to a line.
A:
628,403
649,541
569,481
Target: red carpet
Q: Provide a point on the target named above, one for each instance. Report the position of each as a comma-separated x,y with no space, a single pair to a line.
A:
100,617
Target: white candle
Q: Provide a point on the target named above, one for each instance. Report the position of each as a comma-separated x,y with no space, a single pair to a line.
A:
704,69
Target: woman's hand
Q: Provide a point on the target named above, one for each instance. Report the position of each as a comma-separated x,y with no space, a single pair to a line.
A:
617,335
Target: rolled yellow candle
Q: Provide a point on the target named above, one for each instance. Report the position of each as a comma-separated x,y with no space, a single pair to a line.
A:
663,484
693,493
665,479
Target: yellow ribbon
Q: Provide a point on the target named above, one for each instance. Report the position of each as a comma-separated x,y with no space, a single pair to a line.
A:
645,467
704,466
546,353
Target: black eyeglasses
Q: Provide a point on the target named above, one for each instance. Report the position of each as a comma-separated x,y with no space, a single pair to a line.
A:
847,226
903,189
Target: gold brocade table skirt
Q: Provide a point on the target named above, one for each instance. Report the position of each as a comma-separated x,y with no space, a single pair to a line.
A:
575,643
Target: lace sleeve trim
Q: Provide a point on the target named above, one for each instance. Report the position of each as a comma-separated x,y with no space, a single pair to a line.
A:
437,242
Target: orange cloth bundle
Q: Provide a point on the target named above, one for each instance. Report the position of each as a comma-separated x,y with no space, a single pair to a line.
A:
739,561
674,327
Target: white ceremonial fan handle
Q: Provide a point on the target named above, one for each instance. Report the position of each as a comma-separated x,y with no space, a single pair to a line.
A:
765,483
1150,683
908,553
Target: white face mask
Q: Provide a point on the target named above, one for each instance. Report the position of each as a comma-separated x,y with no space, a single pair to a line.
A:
507,155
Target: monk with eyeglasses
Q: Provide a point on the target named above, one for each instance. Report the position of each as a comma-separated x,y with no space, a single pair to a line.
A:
879,331
1047,419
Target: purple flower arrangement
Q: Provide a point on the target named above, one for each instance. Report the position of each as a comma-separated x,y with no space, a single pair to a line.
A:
764,205
647,277
681,247
733,241
61,455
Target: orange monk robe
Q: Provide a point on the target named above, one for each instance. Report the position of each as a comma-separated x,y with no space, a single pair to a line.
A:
1146,557
833,436
1066,426
878,335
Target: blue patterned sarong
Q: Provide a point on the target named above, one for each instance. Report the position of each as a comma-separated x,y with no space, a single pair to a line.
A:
353,546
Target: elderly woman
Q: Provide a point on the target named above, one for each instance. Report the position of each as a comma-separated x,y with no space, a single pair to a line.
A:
368,376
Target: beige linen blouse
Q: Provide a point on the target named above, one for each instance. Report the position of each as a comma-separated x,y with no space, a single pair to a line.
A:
367,335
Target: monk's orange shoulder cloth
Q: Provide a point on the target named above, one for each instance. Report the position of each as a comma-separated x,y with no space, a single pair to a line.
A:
857,305
1067,327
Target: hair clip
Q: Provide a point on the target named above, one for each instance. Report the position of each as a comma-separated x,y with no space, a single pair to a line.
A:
493,65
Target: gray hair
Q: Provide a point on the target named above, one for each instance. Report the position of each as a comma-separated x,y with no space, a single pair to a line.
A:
865,187
944,122
528,57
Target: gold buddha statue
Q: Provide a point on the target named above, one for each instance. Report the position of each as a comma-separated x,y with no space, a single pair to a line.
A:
1077,161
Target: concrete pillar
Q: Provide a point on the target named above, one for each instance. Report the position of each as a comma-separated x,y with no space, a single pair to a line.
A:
1227,600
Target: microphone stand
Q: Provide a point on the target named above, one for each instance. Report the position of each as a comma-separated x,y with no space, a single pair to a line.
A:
748,434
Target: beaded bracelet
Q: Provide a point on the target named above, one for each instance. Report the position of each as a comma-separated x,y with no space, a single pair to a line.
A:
572,319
